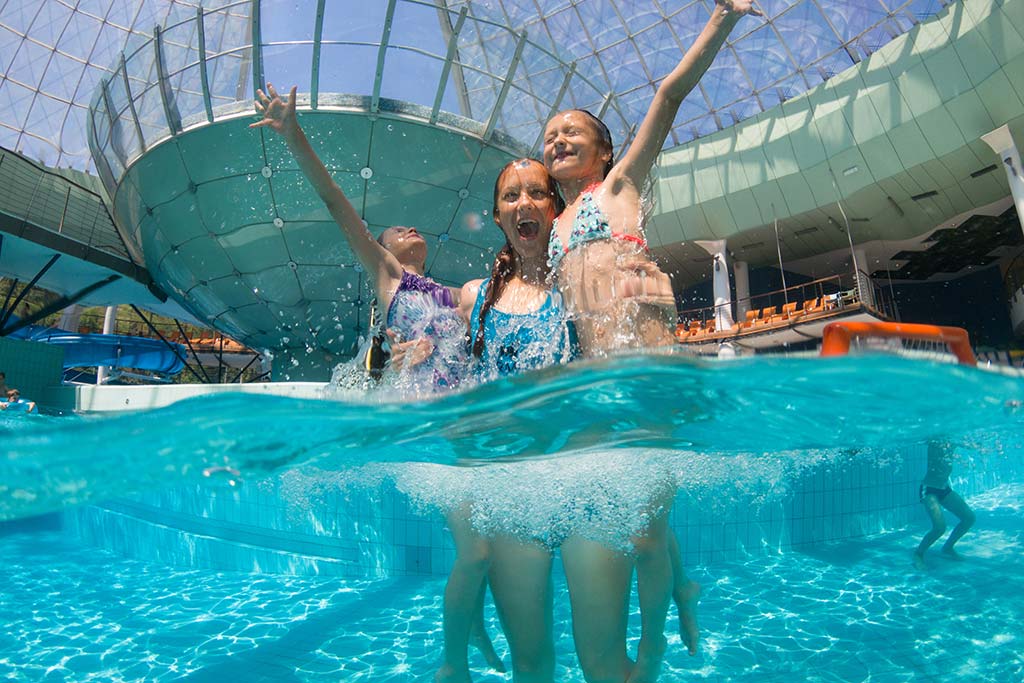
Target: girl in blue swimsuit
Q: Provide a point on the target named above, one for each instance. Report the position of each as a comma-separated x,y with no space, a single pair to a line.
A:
515,324
417,307
616,295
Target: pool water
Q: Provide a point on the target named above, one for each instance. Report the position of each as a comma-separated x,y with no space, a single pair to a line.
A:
848,610
854,611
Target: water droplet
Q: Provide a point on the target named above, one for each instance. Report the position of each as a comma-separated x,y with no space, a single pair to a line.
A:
390,127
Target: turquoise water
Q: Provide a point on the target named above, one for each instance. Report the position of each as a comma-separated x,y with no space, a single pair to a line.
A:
663,402
851,610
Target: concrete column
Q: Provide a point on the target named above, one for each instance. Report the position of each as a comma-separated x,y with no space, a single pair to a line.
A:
720,280
741,276
109,325
1002,143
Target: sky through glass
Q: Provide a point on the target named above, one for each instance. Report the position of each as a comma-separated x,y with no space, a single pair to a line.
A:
54,53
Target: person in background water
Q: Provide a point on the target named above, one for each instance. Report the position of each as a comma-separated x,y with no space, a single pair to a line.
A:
514,324
14,401
417,307
936,493
617,297
3,384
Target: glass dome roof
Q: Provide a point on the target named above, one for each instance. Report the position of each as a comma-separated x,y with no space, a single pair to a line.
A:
53,54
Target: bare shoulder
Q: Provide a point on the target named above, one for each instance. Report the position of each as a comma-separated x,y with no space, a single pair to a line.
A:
467,298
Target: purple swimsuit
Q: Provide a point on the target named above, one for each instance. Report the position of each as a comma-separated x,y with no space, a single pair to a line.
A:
421,308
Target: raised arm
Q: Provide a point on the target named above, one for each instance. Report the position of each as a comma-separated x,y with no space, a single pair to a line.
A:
279,116
636,164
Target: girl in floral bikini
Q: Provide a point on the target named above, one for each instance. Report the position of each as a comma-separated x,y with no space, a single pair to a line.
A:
417,307
616,296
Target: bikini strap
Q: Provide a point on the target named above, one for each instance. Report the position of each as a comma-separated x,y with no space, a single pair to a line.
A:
631,238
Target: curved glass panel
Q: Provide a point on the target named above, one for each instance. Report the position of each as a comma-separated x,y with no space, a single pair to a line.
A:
53,55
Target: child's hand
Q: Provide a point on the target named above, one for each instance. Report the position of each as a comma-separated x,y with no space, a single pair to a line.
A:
642,281
740,8
408,354
278,115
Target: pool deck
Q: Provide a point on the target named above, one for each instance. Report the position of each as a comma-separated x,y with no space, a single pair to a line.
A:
124,398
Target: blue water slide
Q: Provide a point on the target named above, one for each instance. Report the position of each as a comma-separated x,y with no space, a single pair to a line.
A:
91,350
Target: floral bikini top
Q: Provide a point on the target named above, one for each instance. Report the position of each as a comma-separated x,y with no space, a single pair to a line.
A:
590,225
422,308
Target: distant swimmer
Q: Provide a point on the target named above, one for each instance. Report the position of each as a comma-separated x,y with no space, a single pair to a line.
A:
936,493
14,401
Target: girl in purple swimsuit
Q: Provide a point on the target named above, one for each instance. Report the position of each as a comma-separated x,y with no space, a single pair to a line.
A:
599,261
417,307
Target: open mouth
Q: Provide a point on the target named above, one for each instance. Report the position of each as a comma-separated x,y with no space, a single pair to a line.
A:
528,230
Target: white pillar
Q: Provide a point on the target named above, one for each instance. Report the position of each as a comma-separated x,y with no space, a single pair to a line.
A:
720,280
741,276
109,323
1001,142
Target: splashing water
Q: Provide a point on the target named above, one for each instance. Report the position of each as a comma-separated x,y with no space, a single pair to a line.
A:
669,405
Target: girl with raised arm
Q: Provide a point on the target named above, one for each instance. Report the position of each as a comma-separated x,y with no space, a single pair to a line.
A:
616,296
417,307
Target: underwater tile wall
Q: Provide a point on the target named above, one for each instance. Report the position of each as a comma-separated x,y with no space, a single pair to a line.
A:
375,532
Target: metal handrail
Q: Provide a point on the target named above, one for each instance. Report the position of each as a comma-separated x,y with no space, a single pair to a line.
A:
832,286
33,194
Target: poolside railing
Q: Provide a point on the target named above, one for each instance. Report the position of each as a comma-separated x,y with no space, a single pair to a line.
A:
834,292
56,204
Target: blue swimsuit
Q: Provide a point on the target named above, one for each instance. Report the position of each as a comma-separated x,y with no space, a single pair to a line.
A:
515,342
421,308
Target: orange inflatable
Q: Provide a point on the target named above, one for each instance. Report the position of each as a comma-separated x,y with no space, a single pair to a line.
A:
837,336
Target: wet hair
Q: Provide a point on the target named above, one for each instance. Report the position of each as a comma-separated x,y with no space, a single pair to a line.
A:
504,262
606,138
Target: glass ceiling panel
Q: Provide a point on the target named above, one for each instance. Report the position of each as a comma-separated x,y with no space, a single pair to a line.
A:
621,48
